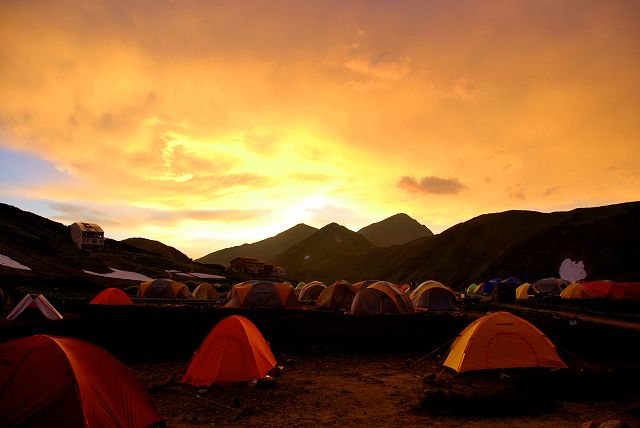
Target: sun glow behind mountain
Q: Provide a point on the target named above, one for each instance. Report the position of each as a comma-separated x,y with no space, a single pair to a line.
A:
205,125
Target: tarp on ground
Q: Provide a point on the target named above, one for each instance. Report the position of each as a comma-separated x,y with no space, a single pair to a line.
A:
381,298
233,351
34,303
112,296
60,382
501,340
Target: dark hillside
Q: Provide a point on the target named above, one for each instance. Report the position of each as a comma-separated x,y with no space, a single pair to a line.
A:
526,244
395,230
266,249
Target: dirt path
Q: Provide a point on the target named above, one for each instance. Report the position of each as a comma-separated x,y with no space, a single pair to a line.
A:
337,390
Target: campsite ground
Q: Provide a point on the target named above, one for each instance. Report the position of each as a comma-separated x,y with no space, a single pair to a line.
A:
324,389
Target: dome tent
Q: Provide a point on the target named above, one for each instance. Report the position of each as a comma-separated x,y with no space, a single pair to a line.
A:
63,382
311,291
205,290
434,297
164,289
233,351
338,295
112,296
501,340
262,294
381,298
575,291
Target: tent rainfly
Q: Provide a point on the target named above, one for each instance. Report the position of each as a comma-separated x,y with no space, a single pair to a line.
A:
35,302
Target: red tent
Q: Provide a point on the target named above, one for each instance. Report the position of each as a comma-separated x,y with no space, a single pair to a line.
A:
111,296
613,290
233,351
63,382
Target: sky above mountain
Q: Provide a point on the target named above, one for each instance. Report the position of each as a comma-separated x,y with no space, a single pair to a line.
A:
208,124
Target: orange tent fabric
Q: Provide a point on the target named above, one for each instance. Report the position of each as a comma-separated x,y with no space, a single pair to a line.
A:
338,295
499,341
575,291
262,294
164,289
233,351
381,298
111,296
613,290
63,382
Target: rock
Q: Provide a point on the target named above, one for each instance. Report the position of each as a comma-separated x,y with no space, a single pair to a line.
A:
202,391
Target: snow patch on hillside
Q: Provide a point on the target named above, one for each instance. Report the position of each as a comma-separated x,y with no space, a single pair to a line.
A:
121,274
9,262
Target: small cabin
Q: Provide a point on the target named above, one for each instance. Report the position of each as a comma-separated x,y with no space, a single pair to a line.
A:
258,267
87,236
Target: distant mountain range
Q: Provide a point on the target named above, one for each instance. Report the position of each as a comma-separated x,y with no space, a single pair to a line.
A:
526,244
397,229
265,249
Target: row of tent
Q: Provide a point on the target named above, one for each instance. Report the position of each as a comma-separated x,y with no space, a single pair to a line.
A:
559,287
60,381
366,297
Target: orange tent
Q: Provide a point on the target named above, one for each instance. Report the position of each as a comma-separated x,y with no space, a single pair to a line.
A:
262,294
522,292
613,290
164,289
381,298
233,351
575,291
338,295
111,296
63,382
311,291
500,341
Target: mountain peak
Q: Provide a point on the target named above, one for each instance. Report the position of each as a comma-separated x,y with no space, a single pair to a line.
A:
395,230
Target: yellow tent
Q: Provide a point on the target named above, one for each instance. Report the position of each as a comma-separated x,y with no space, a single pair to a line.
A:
575,291
522,292
499,341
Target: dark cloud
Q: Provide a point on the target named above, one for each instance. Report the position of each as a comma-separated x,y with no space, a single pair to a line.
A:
432,184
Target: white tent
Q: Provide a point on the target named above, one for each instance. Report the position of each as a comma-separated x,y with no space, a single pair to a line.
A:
35,301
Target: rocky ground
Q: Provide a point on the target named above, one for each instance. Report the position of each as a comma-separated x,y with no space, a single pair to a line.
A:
391,390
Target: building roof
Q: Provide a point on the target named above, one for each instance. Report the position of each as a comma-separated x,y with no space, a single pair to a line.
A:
88,227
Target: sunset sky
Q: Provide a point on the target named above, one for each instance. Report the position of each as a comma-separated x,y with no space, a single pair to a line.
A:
206,124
